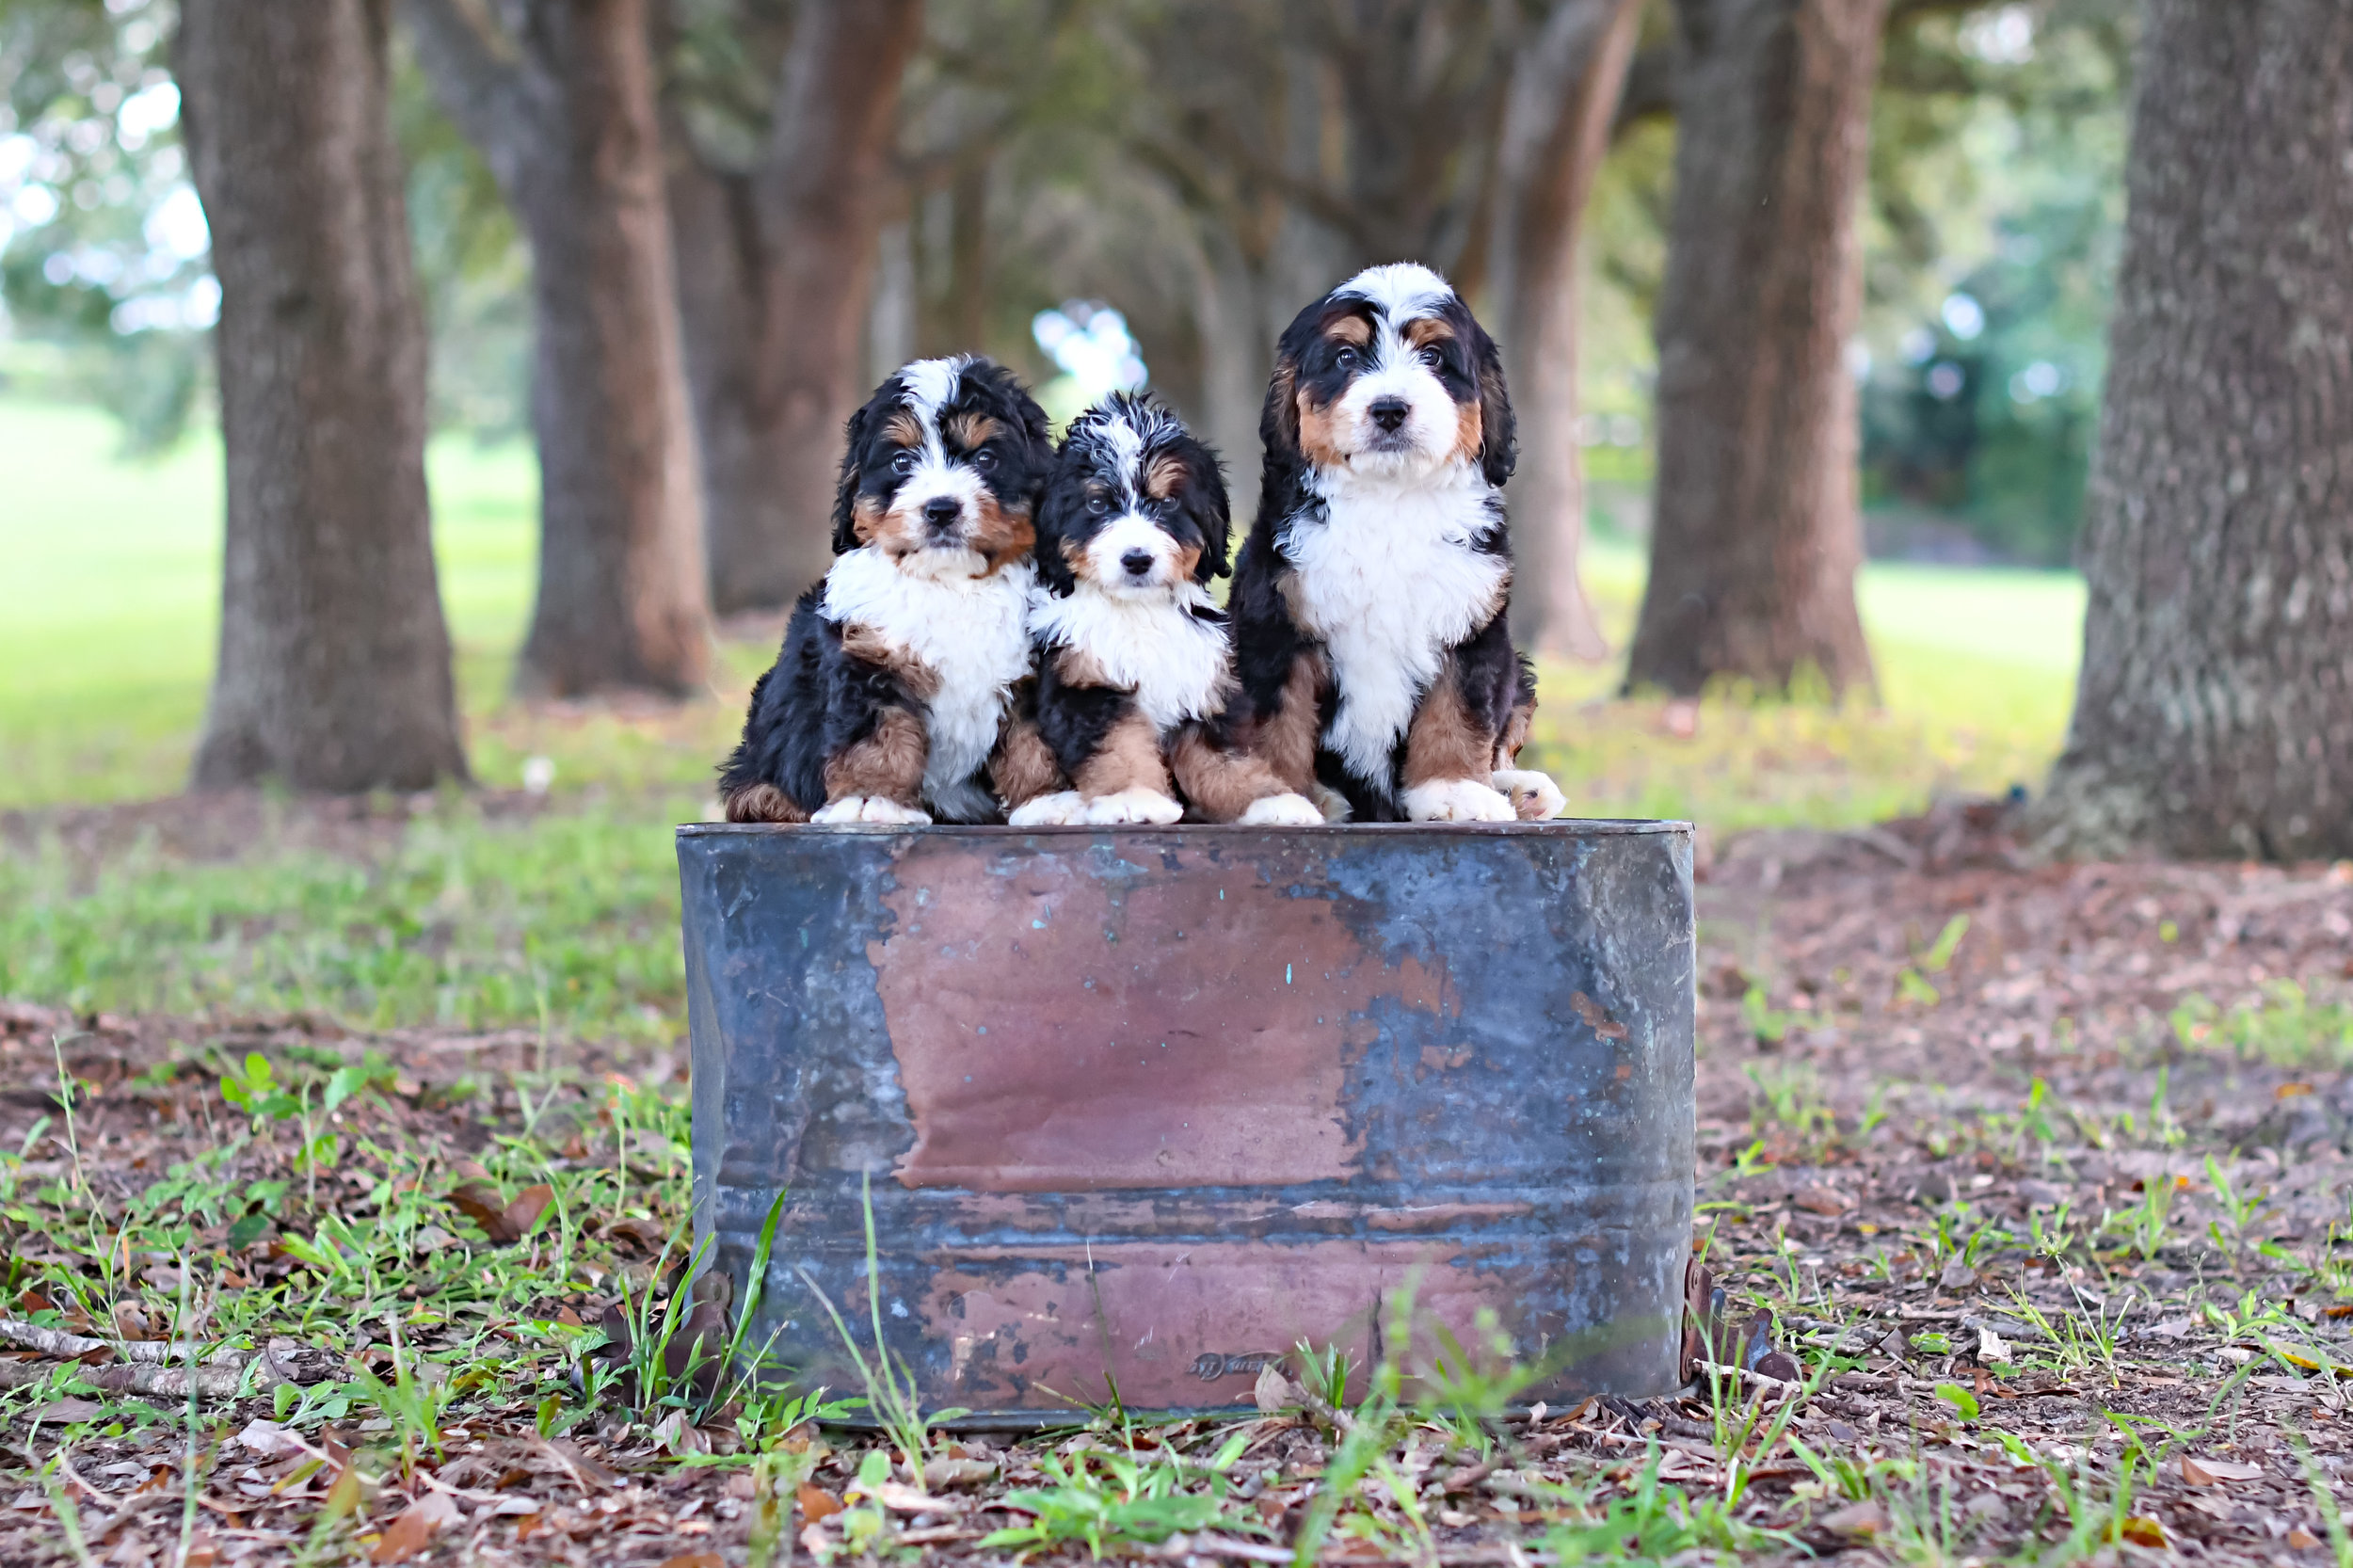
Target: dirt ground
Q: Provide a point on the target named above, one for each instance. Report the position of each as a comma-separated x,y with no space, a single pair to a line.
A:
2039,1172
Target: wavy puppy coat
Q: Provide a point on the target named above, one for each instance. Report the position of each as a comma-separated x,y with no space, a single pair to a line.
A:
1132,655
1368,600
898,695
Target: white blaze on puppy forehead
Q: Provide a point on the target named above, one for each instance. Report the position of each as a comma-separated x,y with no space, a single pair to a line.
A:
1402,291
931,383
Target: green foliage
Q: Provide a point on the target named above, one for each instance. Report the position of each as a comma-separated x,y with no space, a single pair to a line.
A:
1101,1499
568,922
2285,1026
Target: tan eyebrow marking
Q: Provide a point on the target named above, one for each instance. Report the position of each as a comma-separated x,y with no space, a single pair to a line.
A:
1425,330
1349,328
972,428
904,428
1162,479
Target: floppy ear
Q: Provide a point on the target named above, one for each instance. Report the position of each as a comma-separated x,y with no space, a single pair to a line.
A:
845,494
1062,492
1212,512
1499,436
1278,422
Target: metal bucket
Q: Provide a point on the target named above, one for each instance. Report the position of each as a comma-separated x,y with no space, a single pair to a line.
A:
1144,1108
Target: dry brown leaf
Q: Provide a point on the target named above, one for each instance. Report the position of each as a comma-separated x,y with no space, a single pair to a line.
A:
1858,1522
415,1526
901,1498
694,1559
2301,1540
2142,1531
1274,1391
817,1503
2214,1472
1818,1199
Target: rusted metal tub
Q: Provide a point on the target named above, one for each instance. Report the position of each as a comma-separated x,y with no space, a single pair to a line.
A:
1151,1106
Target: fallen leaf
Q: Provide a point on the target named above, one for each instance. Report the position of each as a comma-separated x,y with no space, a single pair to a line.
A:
694,1559
66,1411
1820,1200
2214,1472
901,1498
503,1223
1990,1350
415,1526
1858,1522
269,1439
2142,1531
945,1474
2301,1540
817,1503
1274,1391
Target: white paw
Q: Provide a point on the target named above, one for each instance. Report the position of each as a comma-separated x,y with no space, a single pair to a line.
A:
1062,809
1133,806
1333,804
1283,810
879,811
1532,794
1457,800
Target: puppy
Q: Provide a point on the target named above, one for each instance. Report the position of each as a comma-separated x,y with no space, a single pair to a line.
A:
1132,655
900,690
1368,600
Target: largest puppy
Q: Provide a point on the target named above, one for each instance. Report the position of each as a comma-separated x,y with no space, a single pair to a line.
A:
1368,600
897,695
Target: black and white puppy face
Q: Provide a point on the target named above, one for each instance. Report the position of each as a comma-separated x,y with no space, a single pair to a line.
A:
1389,377
1137,507
944,469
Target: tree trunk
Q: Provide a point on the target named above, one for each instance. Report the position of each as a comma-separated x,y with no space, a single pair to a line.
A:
1756,536
776,345
565,112
334,667
1555,128
2215,714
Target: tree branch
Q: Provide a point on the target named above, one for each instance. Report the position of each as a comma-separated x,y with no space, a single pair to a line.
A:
478,77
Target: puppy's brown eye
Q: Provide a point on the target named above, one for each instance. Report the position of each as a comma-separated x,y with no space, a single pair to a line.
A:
902,462
1429,356
984,459
1344,358
1098,505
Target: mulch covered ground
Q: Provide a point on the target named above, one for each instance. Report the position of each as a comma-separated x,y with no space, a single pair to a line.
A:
2038,1171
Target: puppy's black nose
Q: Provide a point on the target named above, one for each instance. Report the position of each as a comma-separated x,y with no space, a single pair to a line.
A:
1138,562
1388,412
941,511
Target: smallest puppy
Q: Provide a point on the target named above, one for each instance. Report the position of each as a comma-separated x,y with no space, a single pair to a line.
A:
1134,662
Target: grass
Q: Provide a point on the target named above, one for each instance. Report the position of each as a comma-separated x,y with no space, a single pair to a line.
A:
565,921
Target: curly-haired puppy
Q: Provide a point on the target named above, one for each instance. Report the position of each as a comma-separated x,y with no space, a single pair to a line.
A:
896,697
1369,600
1133,658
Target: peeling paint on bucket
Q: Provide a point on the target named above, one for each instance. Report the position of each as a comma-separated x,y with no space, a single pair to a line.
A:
1153,1106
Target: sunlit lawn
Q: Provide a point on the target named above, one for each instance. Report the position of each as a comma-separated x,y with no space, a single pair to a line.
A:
568,922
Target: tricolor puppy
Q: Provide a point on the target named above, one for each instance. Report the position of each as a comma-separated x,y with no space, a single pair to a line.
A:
1133,661
1368,600
896,697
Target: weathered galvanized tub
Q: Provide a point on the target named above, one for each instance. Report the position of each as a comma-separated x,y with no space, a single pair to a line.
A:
1148,1108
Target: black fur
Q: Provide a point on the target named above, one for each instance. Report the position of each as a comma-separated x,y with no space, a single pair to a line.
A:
1313,363
1087,490
819,699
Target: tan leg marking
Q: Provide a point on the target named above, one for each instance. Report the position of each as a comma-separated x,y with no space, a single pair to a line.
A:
868,646
1128,759
889,762
1023,767
1444,740
1221,784
763,802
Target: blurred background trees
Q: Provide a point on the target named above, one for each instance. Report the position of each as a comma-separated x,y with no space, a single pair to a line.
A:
1875,239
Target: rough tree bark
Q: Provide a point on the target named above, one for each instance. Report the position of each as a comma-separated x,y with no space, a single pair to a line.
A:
2215,712
1756,536
334,667
559,95
1555,128
776,268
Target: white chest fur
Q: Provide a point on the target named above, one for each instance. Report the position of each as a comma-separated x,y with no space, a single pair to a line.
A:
1172,662
968,632
1389,579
